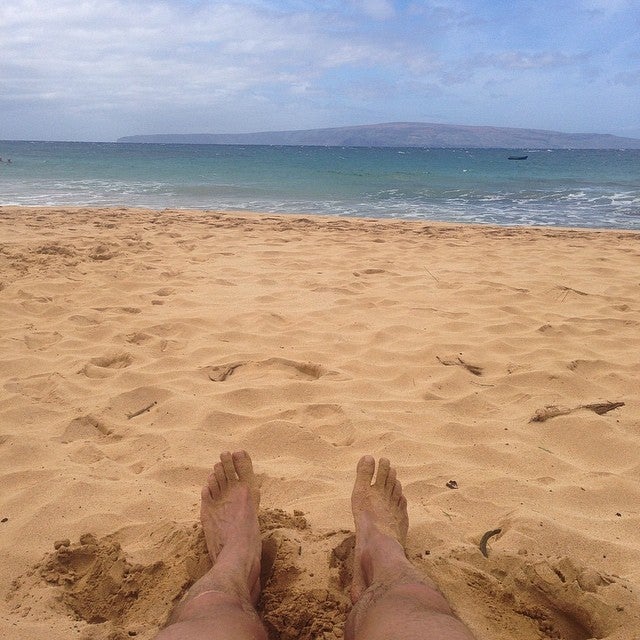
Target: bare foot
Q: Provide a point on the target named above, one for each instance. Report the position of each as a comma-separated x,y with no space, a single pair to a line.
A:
381,520
391,598
229,515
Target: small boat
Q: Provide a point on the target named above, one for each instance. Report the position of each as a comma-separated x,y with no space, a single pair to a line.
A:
517,157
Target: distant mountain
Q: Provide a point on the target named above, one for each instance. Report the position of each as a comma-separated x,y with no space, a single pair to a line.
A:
405,134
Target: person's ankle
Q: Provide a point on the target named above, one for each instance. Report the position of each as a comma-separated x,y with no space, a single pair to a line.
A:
383,560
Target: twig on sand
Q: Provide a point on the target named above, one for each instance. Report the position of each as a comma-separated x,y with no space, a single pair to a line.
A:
580,293
485,539
141,411
567,290
222,372
551,411
602,407
471,368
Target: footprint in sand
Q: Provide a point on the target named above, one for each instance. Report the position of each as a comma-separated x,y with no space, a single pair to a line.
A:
102,252
86,454
164,292
328,421
159,345
39,340
86,428
138,337
267,368
106,366
45,387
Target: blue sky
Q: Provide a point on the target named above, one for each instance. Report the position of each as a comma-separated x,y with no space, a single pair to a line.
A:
100,69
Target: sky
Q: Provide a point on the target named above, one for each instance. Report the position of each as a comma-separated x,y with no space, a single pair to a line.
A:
95,70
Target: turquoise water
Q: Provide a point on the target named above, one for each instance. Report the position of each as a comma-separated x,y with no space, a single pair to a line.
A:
574,188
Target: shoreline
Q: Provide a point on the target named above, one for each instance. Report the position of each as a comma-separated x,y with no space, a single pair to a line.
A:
138,343
290,215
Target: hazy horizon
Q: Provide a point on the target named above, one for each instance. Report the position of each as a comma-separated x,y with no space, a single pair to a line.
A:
207,133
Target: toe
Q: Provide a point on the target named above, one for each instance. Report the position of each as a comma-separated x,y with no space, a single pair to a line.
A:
383,472
396,493
227,464
205,494
220,476
243,465
364,472
211,486
391,481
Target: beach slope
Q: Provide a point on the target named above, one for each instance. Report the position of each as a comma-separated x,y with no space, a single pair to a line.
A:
496,367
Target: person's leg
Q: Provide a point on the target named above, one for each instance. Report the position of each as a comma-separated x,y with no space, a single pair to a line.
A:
221,605
392,600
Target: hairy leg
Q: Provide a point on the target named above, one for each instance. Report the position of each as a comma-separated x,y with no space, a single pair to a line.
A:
221,605
391,599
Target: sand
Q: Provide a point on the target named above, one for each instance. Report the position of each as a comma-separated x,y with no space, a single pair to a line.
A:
496,367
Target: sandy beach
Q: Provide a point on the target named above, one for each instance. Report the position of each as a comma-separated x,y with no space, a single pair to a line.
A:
496,367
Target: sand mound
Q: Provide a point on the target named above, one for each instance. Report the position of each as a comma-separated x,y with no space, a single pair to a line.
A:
111,596
306,578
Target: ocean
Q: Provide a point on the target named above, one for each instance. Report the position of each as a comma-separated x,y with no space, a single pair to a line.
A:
571,188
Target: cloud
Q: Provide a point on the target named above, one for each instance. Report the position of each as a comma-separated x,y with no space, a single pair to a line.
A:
141,48
146,50
172,65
